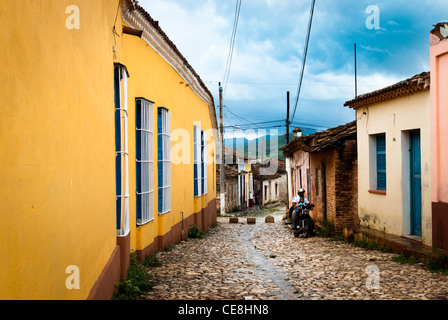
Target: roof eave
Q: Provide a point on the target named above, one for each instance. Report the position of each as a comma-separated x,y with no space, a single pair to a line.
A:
415,84
136,17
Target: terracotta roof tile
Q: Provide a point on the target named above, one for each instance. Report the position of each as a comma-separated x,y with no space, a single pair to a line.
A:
280,166
414,84
321,140
155,24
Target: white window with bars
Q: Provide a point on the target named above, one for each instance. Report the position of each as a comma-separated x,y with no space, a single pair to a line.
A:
121,150
144,159
204,162
164,160
197,147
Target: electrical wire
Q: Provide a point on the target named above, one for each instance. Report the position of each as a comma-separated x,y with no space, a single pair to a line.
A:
256,123
241,117
304,58
232,45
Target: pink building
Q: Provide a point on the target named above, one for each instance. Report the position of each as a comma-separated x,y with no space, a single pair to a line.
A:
439,134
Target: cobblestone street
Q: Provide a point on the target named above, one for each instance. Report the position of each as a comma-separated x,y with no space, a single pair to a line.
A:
263,261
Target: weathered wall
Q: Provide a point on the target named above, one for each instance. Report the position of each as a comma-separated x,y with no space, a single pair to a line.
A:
439,150
390,212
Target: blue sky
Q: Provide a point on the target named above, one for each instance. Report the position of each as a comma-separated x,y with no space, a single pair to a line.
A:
269,46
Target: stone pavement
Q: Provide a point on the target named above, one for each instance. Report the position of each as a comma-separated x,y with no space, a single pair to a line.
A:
263,261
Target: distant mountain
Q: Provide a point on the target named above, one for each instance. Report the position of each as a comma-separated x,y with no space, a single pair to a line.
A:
251,145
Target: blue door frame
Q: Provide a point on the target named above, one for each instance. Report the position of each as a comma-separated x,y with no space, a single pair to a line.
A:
416,183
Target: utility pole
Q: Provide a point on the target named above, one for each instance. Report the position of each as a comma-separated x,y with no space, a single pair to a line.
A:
356,76
262,195
287,117
222,166
287,141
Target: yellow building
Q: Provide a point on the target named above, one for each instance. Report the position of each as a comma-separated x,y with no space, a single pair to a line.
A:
162,78
91,118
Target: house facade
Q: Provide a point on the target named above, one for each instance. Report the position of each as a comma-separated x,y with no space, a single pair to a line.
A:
271,185
394,158
111,139
239,181
329,160
183,124
439,130
232,185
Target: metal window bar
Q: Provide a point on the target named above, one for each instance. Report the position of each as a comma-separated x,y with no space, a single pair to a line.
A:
381,161
144,162
164,161
197,161
204,161
123,154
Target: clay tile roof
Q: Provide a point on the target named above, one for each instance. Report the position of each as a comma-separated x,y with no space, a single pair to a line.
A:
297,144
332,136
155,24
414,84
193,79
229,151
278,164
229,171
440,30
321,140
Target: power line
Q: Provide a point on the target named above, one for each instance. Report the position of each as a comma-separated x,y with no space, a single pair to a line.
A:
304,57
273,126
241,117
256,123
232,44
247,124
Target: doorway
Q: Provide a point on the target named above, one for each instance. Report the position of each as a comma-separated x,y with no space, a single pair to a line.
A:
415,183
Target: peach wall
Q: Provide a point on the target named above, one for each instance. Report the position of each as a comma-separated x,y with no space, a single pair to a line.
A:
439,125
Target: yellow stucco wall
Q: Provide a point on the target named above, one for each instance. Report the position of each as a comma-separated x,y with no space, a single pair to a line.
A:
396,118
57,165
57,134
151,77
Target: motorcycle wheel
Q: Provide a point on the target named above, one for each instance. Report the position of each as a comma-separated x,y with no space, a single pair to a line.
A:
306,229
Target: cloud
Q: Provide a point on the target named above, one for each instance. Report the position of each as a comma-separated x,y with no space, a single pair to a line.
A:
199,31
369,48
269,47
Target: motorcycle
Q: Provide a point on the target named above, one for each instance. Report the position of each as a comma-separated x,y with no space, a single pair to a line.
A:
306,224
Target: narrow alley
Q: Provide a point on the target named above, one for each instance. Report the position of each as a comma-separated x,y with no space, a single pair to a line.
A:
263,261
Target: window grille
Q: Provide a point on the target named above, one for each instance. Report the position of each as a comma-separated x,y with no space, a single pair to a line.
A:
197,146
121,148
164,160
204,162
144,159
381,161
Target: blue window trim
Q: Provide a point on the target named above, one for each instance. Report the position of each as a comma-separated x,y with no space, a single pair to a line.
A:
138,142
197,162
202,163
160,159
117,144
139,164
381,162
